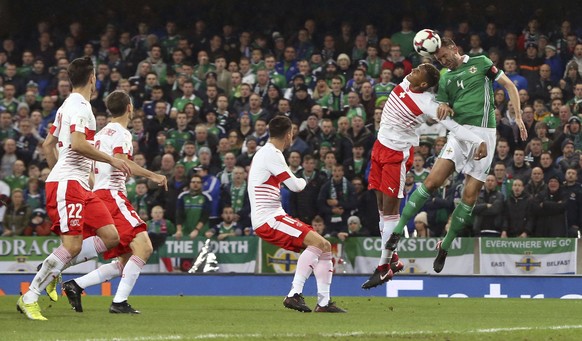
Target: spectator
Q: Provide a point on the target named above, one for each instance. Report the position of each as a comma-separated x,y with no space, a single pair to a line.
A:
235,195
8,158
542,132
335,201
548,167
503,181
34,195
534,152
549,210
519,169
573,191
27,141
510,68
354,229
575,103
367,207
568,158
159,229
245,158
304,204
39,224
17,179
227,227
17,215
517,214
487,213
142,202
421,229
357,134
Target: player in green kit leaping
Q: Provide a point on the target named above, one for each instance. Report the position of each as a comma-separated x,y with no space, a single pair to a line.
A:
467,89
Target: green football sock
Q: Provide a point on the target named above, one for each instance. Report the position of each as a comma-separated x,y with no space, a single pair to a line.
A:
414,204
461,215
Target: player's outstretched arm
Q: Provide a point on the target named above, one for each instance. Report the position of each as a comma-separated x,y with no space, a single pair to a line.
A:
137,170
514,99
50,151
80,145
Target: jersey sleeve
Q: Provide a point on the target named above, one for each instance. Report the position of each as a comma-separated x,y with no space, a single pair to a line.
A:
491,71
429,108
80,122
122,144
278,167
56,127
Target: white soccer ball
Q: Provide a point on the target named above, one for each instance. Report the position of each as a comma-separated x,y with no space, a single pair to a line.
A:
426,42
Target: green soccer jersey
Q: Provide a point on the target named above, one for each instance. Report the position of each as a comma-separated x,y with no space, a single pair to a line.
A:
420,177
356,111
469,91
130,185
17,182
179,137
278,79
181,102
382,89
192,209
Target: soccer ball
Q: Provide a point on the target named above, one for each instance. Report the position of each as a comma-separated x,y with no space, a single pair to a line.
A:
426,42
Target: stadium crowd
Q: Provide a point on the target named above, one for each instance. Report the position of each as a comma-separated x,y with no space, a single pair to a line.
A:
203,99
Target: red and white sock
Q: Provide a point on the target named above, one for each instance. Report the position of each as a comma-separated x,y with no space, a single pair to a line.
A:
323,274
305,264
51,268
92,247
102,274
128,278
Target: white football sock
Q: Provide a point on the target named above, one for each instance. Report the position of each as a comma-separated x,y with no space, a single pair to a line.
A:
305,264
323,274
51,268
381,221
102,274
92,247
390,222
128,278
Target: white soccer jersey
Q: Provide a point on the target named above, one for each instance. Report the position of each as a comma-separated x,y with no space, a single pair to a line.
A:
74,115
268,170
403,112
112,139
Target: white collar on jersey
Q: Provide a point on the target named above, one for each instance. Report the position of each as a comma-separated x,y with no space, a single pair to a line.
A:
465,58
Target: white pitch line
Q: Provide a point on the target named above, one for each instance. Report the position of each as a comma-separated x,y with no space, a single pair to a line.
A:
346,334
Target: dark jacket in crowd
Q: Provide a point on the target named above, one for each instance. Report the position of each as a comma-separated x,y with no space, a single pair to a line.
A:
517,215
549,211
304,204
488,218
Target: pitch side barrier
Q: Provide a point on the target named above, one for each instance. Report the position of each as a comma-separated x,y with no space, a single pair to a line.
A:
467,256
475,286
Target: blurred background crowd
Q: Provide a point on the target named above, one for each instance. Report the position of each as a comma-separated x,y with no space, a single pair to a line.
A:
207,77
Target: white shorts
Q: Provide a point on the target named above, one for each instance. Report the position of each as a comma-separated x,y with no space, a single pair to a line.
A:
461,153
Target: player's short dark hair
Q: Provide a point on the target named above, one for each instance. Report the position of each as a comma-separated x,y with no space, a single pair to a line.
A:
80,70
432,75
446,42
279,126
116,102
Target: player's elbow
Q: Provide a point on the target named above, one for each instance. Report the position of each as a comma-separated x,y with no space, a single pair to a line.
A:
77,147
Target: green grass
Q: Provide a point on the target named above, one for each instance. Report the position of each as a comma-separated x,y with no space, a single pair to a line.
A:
264,318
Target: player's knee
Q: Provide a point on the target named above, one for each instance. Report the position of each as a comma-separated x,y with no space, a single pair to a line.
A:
431,184
109,236
325,245
73,249
146,251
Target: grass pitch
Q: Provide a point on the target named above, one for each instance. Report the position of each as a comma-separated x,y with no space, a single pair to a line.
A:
265,318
